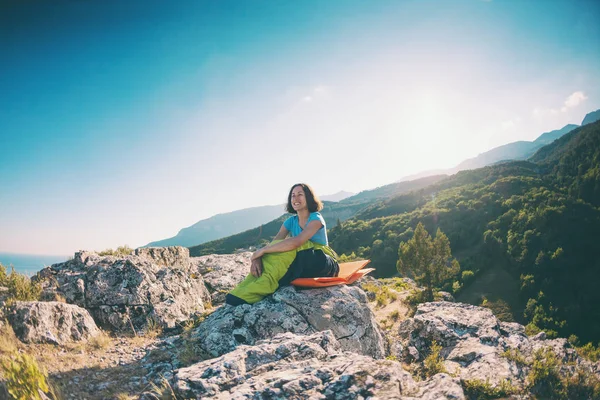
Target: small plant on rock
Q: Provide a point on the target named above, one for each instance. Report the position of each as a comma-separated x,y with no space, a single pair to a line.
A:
24,378
589,352
153,328
163,391
544,377
394,315
99,342
515,356
21,288
433,363
477,389
120,251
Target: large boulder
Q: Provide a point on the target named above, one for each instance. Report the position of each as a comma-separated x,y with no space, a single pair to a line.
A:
222,272
475,344
305,367
157,285
341,309
51,322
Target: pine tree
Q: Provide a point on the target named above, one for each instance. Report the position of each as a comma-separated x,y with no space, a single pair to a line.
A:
429,260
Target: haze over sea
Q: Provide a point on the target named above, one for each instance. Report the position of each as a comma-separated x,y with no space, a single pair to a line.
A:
29,264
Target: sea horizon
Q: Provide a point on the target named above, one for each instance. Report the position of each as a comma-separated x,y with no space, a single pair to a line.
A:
29,264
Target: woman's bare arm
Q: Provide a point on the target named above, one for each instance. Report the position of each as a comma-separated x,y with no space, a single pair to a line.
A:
290,243
282,234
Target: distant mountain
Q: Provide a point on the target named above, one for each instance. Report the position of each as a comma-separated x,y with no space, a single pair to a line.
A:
226,224
521,150
339,196
549,137
591,117
393,189
221,225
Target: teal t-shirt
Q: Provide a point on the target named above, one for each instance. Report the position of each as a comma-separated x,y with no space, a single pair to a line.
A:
293,226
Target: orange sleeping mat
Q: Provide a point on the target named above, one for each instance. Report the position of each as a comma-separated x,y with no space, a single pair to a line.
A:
350,272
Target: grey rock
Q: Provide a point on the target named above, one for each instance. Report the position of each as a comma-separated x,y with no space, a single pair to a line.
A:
447,323
445,296
539,336
222,273
51,322
122,293
475,345
341,309
305,367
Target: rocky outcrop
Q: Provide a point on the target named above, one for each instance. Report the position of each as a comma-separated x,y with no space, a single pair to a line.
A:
341,309
222,273
306,367
475,344
121,293
51,322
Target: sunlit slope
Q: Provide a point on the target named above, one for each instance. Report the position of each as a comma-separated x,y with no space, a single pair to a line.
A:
537,219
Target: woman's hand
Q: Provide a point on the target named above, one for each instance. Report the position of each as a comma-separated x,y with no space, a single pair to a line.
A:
256,267
257,254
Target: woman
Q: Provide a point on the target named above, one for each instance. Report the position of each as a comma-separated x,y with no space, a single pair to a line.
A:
305,253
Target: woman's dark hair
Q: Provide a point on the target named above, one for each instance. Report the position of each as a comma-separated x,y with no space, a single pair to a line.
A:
312,201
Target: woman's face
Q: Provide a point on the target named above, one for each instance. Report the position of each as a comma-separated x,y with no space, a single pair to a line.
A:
298,198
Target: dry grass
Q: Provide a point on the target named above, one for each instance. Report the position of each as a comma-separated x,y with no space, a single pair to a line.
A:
125,396
164,391
8,340
99,342
394,315
95,362
153,329
60,298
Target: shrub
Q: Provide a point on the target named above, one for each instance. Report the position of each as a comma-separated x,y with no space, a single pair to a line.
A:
164,391
348,258
479,390
396,283
532,329
3,275
515,356
100,341
500,308
24,378
394,315
544,377
120,251
8,340
21,288
153,328
582,385
456,287
589,352
467,276
433,363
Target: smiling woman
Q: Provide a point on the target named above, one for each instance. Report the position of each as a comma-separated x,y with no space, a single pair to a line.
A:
304,254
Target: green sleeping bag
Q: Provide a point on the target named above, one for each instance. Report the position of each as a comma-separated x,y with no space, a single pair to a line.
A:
275,265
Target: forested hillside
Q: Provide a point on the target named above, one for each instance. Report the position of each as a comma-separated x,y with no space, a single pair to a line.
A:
538,220
534,222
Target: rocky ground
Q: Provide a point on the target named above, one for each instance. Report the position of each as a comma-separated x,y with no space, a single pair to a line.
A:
163,334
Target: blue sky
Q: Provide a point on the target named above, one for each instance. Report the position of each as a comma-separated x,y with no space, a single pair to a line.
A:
123,121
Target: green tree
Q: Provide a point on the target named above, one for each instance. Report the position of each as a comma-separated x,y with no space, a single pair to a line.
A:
429,260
